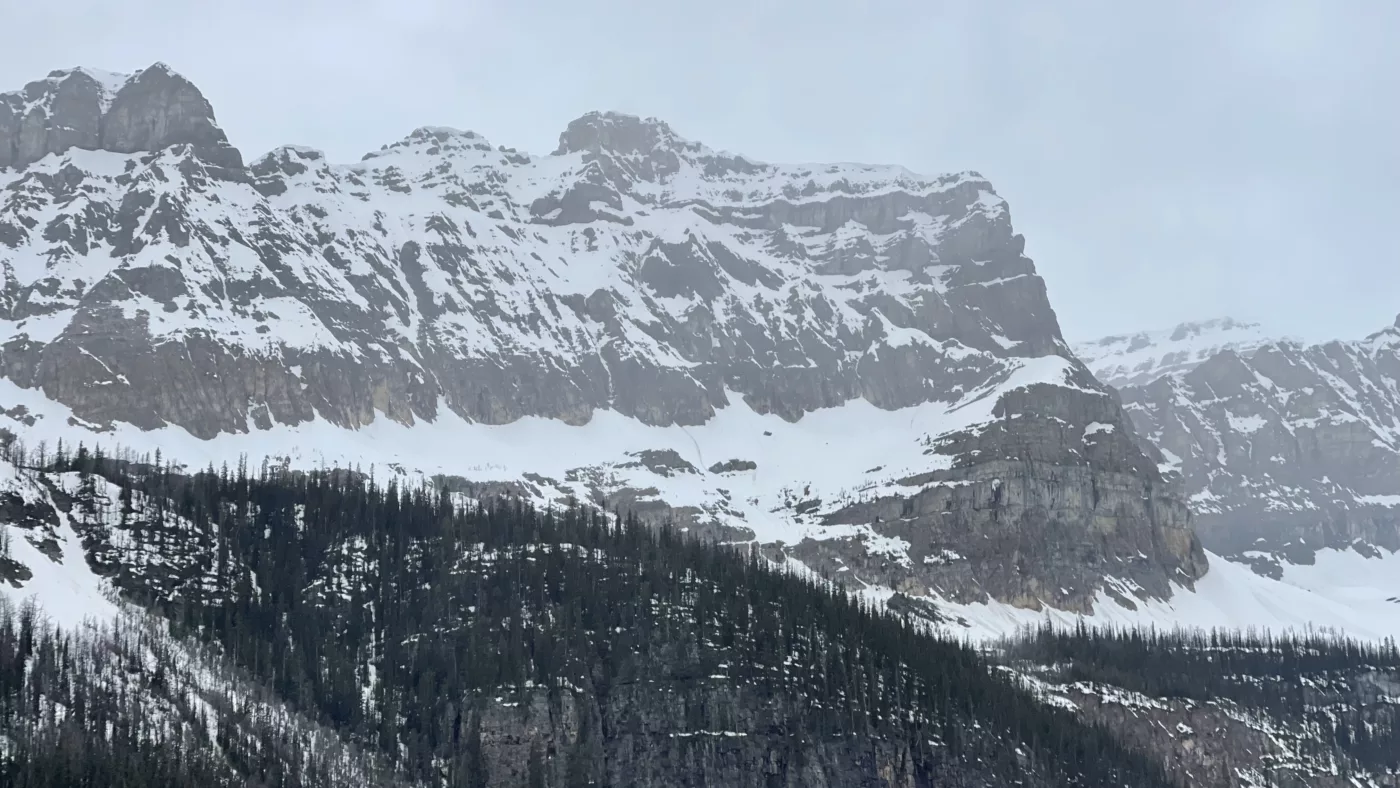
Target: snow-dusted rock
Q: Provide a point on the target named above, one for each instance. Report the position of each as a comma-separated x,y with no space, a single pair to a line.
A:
96,110
1132,359
1286,449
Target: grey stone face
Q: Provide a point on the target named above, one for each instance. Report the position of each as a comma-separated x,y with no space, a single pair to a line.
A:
10,120
1037,510
72,119
154,109
159,108
1216,741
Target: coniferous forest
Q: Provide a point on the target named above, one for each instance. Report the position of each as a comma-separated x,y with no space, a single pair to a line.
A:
1345,693
486,643
286,628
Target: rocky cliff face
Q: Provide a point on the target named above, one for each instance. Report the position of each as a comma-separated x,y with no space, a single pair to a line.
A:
87,109
1047,504
1222,743
1231,710
866,355
641,746
1286,450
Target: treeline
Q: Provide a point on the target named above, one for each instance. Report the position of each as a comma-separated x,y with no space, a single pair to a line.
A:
397,614
1347,690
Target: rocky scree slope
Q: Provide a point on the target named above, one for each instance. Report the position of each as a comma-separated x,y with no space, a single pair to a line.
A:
1286,450
931,430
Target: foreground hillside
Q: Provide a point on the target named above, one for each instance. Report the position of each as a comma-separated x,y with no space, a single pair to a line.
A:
291,629
321,629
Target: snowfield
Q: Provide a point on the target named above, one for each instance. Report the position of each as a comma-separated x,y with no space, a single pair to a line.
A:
1309,598
1343,592
816,453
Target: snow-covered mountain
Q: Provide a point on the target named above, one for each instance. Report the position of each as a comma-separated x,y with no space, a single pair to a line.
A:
855,366
631,270
855,361
1133,359
1286,450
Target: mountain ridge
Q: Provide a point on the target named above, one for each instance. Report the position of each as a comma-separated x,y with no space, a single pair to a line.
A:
147,110
1143,356
1285,450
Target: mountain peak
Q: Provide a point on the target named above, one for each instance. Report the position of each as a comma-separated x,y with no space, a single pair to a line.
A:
92,109
433,140
619,132
109,80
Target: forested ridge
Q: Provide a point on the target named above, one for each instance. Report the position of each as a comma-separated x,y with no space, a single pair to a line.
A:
1342,695
414,624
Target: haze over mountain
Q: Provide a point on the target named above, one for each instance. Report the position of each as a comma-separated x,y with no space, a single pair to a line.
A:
1127,359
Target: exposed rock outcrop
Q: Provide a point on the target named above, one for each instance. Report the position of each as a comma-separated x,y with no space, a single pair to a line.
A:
1038,508
86,109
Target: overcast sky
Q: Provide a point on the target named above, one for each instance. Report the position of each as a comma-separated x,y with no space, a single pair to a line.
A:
1223,157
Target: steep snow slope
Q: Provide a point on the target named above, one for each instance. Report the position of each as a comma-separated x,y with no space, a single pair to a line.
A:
1134,359
46,562
1290,450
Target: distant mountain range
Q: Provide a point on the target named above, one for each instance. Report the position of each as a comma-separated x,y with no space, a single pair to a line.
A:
1135,359
1284,448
